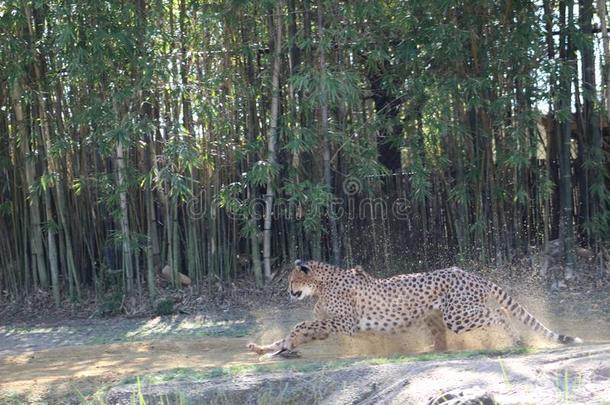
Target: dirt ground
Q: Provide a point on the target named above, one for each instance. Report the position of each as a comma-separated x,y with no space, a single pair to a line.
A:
572,375
69,361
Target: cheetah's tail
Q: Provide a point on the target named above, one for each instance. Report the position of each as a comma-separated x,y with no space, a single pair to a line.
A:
519,312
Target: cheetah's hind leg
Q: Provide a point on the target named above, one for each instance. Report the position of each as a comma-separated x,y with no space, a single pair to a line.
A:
480,316
437,329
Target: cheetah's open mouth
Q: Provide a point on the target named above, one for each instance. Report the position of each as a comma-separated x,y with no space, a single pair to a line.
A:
300,293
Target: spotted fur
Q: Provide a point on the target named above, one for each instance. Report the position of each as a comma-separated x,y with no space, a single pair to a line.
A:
351,300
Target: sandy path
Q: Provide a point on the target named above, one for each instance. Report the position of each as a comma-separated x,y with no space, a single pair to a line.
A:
60,371
565,375
49,364
65,369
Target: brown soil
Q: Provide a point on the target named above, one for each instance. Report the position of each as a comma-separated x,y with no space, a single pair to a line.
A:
56,373
55,365
566,375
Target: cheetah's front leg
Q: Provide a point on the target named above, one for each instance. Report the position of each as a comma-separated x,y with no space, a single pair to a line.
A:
303,333
260,350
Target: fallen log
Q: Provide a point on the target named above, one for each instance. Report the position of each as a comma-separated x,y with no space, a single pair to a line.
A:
167,273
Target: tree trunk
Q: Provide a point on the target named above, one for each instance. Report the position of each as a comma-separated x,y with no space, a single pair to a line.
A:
252,195
38,259
52,171
565,128
272,138
603,15
594,168
553,132
328,180
123,208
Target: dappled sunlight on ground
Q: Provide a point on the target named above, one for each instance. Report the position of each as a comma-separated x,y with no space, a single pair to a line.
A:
54,362
157,326
22,372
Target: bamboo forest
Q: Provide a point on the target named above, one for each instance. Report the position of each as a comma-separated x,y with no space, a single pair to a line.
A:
221,140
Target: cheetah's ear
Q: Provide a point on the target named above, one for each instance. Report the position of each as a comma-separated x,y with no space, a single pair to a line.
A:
301,266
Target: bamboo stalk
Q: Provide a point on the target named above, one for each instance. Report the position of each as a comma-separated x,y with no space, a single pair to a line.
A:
272,138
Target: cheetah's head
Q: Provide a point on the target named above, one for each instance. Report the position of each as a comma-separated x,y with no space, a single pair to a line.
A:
302,281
